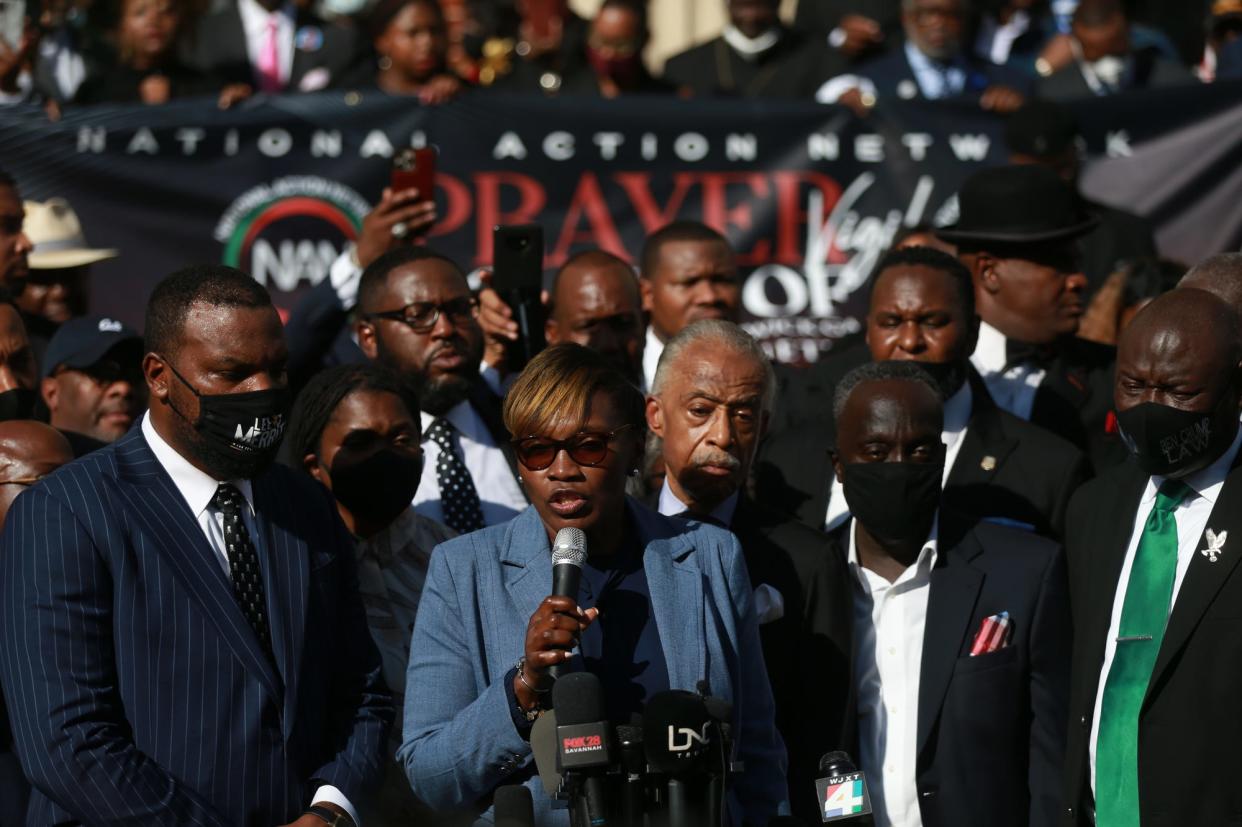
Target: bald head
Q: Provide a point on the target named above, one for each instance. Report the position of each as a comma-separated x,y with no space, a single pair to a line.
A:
596,303
1220,275
1177,384
29,451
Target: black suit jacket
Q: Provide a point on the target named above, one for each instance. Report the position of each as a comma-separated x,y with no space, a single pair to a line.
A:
1189,731
1075,400
991,728
794,68
1006,469
891,73
318,334
1119,237
807,649
819,17
219,49
1148,70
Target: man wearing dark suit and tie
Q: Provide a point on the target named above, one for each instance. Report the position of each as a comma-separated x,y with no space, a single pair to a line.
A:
181,635
933,63
1017,234
416,315
1155,586
711,399
274,46
997,466
960,627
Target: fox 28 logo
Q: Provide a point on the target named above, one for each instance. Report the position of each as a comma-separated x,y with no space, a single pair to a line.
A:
582,743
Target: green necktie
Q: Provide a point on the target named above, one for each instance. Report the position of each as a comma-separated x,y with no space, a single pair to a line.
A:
1143,618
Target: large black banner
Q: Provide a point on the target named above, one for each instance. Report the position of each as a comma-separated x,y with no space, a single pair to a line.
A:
810,195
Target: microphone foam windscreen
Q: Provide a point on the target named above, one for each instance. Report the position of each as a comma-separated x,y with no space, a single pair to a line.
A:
578,698
514,806
836,762
677,732
569,547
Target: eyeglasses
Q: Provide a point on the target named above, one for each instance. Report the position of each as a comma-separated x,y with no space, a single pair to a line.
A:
587,448
422,316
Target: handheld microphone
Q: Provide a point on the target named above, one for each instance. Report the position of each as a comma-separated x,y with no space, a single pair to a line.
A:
584,744
513,807
569,552
842,791
634,768
678,741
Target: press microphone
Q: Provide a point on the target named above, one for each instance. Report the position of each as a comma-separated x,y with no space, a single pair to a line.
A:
569,552
841,792
677,739
544,747
634,770
512,806
584,744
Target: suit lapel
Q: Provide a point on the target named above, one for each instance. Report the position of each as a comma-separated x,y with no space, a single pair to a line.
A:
1204,578
527,563
676,587
984,449
162,513
286,570
954,589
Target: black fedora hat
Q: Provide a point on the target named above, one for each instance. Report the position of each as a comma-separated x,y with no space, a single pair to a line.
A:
1016,205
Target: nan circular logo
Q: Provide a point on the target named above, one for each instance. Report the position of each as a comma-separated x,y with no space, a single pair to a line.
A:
287,233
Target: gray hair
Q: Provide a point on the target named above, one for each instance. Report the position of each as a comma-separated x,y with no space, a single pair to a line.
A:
727,335
880,372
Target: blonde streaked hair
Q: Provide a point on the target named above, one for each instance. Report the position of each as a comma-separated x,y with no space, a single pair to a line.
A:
554,391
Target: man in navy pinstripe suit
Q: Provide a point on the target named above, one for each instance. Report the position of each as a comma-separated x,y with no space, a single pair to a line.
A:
181,636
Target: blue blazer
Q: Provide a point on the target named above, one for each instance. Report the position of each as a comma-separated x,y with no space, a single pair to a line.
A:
460,742
138,692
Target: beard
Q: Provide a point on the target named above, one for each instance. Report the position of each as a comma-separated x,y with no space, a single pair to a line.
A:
439,396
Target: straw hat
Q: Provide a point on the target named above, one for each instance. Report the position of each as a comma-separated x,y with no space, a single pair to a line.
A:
53,228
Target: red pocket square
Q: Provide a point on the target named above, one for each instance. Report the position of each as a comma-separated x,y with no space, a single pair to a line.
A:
993,635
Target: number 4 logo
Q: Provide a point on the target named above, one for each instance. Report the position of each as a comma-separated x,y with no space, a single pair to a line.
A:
844,799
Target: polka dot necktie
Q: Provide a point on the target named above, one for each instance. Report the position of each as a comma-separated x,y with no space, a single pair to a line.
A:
458,496
243,563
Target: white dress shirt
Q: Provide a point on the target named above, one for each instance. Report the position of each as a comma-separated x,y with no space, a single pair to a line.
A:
1013,388
1192,518
254,20
888,660
996,39
499,494
957,410
671,506
198,488
651,356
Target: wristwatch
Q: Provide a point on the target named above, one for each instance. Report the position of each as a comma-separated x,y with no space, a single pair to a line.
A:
330,817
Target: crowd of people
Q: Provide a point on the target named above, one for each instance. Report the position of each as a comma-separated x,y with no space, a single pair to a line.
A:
994,54
299,571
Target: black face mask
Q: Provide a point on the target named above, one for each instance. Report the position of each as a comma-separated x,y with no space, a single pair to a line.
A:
895,501
240,432
18,403
376,487
1168,442
948,376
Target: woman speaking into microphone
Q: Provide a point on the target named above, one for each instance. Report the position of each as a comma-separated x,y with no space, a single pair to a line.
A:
662,604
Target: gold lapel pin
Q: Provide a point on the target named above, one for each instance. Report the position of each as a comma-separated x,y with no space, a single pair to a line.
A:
988,463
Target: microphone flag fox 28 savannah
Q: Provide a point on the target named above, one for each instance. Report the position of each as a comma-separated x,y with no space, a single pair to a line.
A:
843,796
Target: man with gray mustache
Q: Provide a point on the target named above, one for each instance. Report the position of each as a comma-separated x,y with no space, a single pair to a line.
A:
710,402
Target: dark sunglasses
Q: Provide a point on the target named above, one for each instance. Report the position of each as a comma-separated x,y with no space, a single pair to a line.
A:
537,453
422,316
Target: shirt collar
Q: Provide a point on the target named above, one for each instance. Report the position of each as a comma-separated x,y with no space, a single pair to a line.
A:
254,17
1206,483
925,562
463,417
672,506
957,410
751,47
989,355
196,487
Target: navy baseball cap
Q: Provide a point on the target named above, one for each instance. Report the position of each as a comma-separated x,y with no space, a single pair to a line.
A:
80,343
